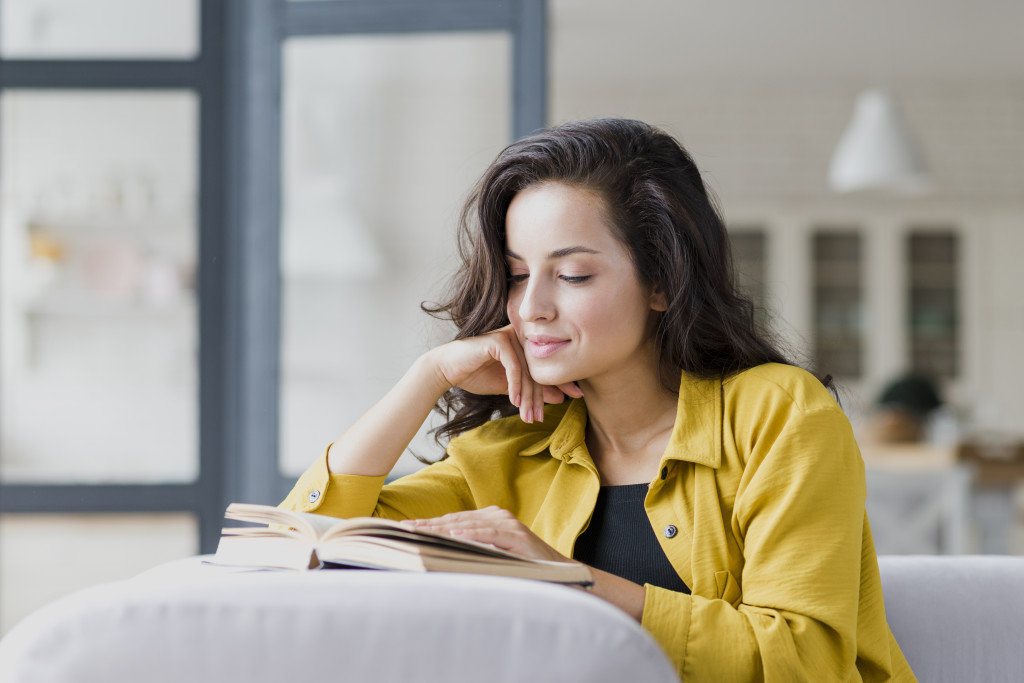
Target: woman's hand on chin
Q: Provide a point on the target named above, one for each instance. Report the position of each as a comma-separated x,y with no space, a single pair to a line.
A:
492,525
495,363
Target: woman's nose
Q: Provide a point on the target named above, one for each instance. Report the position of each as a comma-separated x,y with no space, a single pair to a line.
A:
537,303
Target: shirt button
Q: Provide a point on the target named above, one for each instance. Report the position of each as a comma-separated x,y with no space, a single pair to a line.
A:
314,496
664,473
671,531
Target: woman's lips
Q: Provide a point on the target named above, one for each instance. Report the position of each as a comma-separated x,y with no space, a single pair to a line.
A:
542,347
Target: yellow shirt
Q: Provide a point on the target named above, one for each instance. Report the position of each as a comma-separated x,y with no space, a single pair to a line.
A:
764,485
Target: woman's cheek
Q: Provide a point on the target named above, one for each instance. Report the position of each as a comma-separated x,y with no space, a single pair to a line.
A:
511,310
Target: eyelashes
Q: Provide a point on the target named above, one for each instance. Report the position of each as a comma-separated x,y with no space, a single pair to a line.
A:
571,279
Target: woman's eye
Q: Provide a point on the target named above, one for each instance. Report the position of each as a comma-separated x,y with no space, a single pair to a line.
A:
575,279
516,279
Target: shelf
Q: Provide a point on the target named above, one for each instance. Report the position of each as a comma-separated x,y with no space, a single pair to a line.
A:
95,307
114,223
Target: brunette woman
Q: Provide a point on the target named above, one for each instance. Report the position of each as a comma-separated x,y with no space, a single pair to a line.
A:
610,399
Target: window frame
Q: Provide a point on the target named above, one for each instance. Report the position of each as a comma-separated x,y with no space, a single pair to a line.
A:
236,77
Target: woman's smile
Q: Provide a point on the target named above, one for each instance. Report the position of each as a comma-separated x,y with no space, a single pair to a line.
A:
542,346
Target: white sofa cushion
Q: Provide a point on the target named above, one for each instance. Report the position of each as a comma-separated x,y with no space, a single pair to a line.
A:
190,622
957,618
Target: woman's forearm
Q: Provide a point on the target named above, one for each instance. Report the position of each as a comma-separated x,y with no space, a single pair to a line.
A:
623,593
491,363
373,444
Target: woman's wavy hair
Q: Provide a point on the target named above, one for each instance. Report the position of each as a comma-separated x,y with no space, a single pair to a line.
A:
660,210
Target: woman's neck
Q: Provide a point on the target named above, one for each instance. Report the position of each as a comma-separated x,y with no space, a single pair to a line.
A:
628,427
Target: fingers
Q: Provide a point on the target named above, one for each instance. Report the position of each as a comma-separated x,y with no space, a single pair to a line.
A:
487,516
520,384
482,525
571,389
557,394
505,351
491,525
527,394
552,394
538,400
527,406
523,391
513,375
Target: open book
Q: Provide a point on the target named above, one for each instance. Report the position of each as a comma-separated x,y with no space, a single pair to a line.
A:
302,540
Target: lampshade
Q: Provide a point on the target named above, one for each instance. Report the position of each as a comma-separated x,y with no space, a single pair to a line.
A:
876,151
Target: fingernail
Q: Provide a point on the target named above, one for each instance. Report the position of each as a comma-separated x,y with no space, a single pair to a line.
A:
540,414
529,415
518,401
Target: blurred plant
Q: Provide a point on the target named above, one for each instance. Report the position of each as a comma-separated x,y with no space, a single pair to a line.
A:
904,408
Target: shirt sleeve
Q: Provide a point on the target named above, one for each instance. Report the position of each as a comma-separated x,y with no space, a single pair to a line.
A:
435,490
799,516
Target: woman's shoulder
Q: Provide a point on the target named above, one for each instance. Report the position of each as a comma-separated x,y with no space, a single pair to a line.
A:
770,402
779,385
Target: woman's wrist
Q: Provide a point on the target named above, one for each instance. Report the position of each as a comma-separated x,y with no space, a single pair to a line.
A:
426,372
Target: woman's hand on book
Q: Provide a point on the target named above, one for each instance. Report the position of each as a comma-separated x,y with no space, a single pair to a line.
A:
495,363
495,526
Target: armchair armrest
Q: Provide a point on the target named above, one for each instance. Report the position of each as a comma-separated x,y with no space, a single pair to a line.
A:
190,621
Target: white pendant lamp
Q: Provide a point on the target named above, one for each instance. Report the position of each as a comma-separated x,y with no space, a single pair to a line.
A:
876,152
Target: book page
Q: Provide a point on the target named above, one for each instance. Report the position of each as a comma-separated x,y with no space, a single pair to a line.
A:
271,551
385,528
311,525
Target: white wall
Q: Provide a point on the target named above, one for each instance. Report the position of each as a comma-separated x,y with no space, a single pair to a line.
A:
760,95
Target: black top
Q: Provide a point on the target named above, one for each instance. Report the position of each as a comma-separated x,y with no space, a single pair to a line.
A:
620,540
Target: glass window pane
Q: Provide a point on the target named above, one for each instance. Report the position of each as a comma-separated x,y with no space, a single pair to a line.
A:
97,299
383,137
43,557
934,312
99,29
838,315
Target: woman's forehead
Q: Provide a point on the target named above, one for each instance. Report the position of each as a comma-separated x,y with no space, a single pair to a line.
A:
550,217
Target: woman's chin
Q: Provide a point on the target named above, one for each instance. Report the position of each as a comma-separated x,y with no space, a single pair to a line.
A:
550,378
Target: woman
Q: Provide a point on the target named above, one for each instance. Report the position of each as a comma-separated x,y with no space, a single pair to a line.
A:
716,491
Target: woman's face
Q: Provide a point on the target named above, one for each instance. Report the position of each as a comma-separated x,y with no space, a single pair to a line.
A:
574,298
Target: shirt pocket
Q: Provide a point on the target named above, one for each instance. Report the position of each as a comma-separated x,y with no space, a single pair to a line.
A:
727,588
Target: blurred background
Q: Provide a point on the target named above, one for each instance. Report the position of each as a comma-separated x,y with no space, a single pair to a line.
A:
218,220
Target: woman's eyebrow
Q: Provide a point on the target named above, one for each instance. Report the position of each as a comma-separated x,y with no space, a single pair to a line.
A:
557,253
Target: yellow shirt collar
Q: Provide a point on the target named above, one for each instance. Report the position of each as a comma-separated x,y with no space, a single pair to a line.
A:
696,436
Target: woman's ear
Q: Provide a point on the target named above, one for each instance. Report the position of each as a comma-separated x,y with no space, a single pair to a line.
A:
658,300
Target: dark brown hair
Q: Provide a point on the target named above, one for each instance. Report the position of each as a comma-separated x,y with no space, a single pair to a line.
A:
660,210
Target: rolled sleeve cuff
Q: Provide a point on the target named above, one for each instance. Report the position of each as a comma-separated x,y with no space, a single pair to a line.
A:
667,617
336,495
